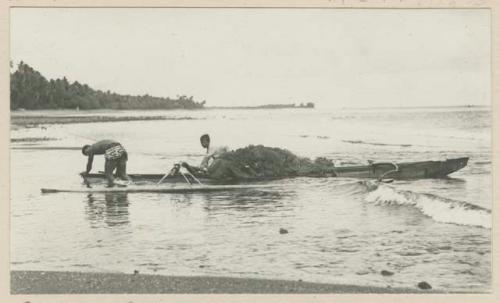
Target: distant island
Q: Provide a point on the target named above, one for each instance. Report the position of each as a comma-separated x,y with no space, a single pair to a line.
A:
31,90
267,106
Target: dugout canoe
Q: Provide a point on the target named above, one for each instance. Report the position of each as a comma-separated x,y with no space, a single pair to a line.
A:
398,171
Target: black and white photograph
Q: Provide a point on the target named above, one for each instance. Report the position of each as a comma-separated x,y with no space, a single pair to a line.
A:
247,150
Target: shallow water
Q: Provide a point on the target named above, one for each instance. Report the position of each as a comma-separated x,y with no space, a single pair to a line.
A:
339,230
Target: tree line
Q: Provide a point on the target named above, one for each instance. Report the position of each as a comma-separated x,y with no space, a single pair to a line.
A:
29,89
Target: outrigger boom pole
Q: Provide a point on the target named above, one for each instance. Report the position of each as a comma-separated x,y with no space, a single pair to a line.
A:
177,169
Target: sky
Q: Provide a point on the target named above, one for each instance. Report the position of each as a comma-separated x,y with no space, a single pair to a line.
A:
241,57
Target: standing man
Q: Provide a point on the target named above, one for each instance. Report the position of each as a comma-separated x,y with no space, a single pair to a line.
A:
115,158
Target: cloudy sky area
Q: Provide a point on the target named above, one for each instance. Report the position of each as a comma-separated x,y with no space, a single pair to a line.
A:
333,57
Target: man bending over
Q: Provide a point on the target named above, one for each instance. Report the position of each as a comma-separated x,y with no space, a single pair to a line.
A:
115,158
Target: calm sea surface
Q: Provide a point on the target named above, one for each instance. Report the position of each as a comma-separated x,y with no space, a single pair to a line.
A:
340,230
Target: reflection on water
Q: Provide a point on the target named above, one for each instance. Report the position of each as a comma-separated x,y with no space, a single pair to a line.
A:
252,200
182,200
113,208
110,208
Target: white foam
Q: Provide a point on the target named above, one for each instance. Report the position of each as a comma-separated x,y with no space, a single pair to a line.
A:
438,208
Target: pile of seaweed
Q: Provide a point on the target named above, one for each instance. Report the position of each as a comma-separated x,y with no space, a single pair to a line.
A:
261,162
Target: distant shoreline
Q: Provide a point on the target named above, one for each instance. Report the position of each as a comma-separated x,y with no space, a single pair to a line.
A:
56,282
268,106
309,105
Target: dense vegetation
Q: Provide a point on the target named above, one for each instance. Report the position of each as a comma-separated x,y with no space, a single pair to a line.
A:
31,90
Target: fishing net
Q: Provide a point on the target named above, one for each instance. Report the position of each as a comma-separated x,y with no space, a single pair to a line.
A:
258,162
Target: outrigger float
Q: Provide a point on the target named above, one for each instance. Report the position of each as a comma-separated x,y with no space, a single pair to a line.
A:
198,188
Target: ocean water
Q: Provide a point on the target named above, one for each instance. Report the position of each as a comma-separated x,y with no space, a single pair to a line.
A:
340,230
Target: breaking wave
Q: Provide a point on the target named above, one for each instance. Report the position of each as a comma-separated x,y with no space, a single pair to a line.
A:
438,208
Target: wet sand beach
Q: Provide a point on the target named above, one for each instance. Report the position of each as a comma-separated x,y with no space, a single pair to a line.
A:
51,282
32,120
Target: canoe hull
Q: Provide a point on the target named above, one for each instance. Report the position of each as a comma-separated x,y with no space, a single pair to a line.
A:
399,171
410,170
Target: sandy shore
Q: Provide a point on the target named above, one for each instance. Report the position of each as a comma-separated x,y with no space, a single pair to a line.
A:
49,282
32,120
32,139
